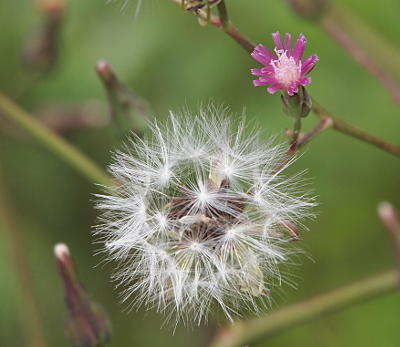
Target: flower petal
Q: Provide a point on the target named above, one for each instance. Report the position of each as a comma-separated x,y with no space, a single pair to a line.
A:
293,88
308,64
278,41
299,47
304,81
274,88
258,83
288,42
256,72
263,55
268,80
268,70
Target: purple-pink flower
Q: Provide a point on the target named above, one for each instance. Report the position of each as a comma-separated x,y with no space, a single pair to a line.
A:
285,70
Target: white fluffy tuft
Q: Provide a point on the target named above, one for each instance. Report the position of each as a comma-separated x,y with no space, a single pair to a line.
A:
201,217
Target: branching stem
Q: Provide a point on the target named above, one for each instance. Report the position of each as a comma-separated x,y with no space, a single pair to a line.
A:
247,332
338,124
228,27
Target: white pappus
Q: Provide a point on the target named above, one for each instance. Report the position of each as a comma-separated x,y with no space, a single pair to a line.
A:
202,218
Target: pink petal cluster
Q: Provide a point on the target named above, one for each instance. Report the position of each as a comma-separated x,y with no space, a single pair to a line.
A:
285,70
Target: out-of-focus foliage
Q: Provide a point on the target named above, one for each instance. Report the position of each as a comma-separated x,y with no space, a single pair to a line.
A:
172,61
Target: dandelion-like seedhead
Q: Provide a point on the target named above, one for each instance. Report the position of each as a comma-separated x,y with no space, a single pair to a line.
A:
285,70
202,217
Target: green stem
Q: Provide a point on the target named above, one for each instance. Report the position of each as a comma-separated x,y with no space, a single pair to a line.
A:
353,131
26,297
55,143
296,128
294,136
223,15
244,333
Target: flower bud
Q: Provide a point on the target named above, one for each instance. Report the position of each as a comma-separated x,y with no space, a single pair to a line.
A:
297,105
87,323
42,47
389,217
388,214
127,110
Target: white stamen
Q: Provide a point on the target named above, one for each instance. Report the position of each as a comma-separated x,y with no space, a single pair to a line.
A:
287,70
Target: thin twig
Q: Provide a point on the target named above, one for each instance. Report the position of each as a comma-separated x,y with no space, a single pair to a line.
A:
29,309
244,333
353,131
231,30
54,142
304,138
223,15
324,124
342,37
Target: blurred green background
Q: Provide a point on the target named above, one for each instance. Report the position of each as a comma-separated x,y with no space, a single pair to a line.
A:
172,61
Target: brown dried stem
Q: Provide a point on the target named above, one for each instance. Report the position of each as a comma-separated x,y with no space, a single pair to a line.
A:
248,332
333,28
353,131
304,138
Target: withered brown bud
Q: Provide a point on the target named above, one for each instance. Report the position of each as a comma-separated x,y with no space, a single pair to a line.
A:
127,110
87,323
41,50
